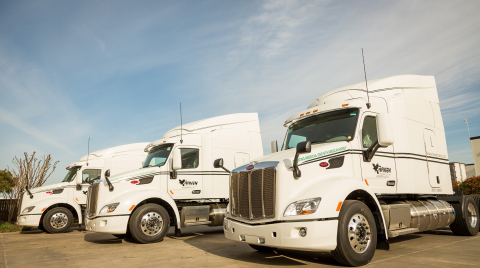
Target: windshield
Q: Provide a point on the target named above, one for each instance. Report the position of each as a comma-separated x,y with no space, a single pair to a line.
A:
71,174
322,128
157,155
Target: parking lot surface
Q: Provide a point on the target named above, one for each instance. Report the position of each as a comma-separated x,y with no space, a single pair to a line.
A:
207,247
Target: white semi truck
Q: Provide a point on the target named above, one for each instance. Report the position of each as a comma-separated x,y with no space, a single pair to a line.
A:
53,208
177,185
354,171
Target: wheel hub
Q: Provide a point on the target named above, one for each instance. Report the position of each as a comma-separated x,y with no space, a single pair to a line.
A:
359,233
472,215
59,220
151,223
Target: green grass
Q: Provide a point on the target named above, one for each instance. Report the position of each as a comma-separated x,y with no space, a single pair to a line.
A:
6,227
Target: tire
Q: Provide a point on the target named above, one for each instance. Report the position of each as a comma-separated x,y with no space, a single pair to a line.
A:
355,221
58,220
476,197
40,227
261,248
149,223
466,221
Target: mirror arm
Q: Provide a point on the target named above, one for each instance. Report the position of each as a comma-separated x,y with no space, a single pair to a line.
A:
173,174
370,152
296,171
29,193
110,186
225,169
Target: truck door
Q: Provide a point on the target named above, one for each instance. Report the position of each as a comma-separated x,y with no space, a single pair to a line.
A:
433,168
188,183
80,193
379,173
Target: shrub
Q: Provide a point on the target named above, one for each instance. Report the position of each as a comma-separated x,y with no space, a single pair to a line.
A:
470,186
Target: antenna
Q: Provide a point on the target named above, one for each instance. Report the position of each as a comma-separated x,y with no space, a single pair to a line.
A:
88,146
181,123
366,84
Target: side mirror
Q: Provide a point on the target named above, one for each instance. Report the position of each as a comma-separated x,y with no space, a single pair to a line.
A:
78,180
176,160
107,173
219,164
273,147
87,180
384,130
302,148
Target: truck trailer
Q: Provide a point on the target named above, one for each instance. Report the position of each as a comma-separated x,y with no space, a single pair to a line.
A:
53,208
177,185
355,169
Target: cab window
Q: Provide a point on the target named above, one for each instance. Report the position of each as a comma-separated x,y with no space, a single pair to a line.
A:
94,174
190,157
369,131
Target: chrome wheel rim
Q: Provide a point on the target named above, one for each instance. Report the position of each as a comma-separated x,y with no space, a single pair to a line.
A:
59,220
359,233
151,223
472,215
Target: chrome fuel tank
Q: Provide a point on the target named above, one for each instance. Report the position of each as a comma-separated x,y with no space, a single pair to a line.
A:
429,214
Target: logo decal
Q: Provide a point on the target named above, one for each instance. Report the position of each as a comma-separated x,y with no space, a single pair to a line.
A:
300,159
250,167
383,172
324,164
49,192
185,183
134,182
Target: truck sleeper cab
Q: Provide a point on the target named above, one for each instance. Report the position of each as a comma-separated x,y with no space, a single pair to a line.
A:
177,185
53,208
349,177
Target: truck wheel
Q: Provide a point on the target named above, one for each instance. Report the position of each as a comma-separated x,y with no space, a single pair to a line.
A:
58,220
149,223
262,248
356,235
466,221
40,227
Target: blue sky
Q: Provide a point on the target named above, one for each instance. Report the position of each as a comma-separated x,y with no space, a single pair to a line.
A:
116,71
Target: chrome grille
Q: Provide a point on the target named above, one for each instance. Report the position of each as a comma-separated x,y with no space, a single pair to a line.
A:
92,199
252,194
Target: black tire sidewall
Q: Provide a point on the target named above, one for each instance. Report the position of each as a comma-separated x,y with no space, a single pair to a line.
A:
135,219
46,220
347,212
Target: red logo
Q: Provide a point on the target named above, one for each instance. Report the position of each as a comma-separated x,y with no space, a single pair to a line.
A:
250,167
324,164
134,182
49,192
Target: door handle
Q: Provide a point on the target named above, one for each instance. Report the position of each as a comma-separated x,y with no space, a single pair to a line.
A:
390,183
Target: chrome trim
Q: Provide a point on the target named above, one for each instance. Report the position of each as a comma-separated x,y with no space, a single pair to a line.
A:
92,200
257,165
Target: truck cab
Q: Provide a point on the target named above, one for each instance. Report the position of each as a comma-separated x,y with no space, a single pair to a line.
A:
353,169
53,208
177,185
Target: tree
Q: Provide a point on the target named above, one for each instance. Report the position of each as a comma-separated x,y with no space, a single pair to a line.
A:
6,182
31,172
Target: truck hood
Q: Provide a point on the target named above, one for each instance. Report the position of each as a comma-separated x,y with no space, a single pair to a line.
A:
49,187
287,156
137,173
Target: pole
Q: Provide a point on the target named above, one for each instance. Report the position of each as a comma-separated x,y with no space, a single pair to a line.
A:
466,121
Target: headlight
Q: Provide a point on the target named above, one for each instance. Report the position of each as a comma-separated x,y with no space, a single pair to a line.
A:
28,209
302,207
109,208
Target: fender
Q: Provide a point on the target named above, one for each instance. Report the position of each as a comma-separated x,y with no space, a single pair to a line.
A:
332,190
43,205
137,196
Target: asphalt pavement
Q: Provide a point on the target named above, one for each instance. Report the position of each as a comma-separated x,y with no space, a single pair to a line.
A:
207,247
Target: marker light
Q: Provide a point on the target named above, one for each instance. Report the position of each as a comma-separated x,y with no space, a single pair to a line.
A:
28,209
109,208
344,105
302,207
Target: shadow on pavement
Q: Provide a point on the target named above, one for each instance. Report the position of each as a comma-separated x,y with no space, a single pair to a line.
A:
403,238
215,243
100,238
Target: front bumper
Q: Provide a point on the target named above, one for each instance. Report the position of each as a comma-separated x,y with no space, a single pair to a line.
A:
29,220
109,224
321,235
